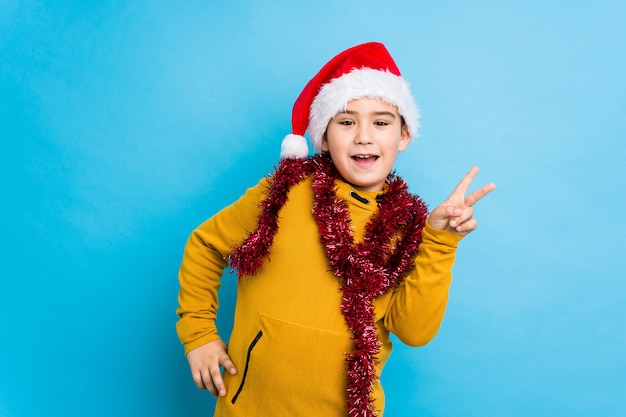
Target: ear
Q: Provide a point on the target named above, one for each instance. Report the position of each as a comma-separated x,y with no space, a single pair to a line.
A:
405,138
324,145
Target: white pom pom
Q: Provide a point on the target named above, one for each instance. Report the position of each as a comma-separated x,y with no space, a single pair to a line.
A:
294,146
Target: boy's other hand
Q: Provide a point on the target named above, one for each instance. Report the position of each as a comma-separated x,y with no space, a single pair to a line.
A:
205,362
456,214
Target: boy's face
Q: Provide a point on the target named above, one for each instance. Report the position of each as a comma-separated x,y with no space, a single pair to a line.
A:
364,142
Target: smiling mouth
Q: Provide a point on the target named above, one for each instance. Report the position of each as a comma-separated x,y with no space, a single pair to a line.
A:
365,157
364,161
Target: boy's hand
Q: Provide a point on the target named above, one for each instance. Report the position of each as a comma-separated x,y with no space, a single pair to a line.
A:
205,362
456,214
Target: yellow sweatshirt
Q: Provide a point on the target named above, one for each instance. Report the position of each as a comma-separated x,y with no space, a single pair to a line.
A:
289,337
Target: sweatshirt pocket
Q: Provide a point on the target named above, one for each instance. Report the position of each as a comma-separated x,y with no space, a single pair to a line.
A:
291,369
247,367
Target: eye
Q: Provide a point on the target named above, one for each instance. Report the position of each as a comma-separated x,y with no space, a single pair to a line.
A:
346,122
381,123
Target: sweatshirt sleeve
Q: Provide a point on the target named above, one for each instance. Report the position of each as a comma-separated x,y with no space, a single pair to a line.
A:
418,304
204,260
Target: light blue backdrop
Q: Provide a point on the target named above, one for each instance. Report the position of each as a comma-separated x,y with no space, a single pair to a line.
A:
125,125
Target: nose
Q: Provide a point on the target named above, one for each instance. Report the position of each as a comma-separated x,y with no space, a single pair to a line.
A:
363,135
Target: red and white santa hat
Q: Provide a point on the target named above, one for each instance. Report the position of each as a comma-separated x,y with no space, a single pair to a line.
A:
365,70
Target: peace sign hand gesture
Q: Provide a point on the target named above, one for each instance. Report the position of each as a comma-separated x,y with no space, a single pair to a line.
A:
456,213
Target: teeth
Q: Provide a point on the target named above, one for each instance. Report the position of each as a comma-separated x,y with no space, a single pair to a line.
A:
362,156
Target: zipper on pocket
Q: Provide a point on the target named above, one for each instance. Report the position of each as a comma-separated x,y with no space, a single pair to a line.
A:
245,371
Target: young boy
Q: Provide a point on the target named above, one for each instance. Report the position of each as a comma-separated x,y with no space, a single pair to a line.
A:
333,255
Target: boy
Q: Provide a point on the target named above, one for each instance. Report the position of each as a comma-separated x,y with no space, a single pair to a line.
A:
332,252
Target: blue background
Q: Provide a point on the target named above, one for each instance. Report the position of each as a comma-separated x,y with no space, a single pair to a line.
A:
125,124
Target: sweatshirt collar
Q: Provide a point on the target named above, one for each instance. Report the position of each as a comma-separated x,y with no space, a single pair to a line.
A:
364,199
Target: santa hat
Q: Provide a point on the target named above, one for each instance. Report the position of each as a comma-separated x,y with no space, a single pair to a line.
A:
365,70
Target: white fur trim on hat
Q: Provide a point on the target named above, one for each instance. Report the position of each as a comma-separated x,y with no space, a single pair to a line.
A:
294,146
361,83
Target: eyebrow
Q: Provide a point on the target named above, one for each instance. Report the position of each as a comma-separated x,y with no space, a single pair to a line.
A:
375,113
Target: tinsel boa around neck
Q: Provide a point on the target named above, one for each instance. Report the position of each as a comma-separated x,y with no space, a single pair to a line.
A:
366,270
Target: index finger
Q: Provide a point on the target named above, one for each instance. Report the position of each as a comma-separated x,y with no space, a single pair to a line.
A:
475,196
218,383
